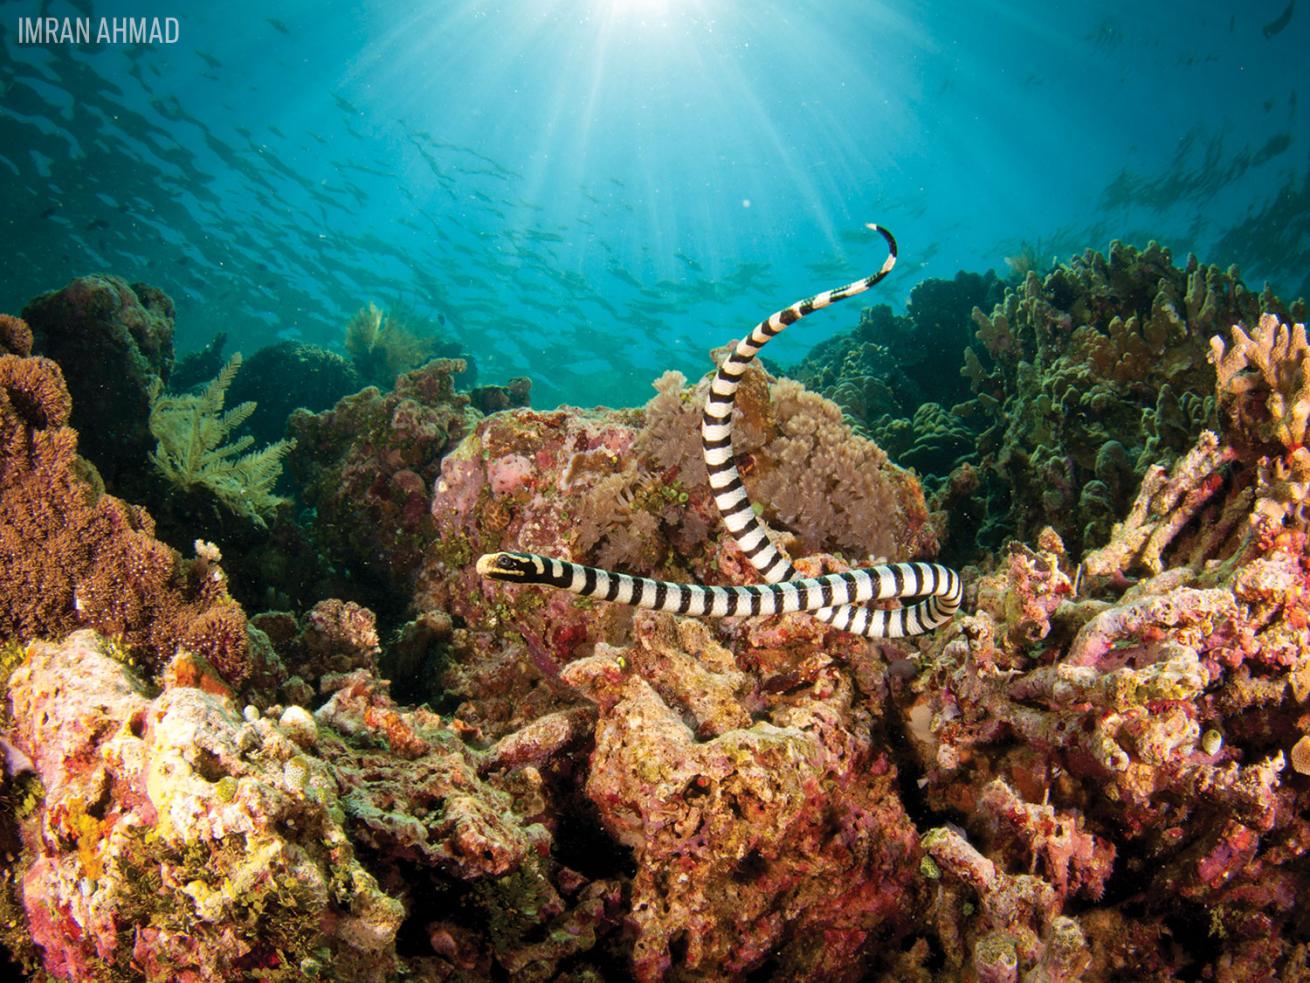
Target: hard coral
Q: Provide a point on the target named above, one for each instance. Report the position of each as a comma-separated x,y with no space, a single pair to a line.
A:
367,467
1265,376
1076,358
778,842
891,364
15,336
75,559
179,840
114,341
1147,727
289,375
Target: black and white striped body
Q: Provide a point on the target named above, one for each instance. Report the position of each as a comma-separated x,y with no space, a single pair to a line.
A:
839,599
839,590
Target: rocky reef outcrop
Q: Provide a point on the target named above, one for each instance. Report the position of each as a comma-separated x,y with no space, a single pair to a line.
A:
1099,770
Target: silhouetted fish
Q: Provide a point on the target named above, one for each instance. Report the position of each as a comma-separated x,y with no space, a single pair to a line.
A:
277,25
1280,22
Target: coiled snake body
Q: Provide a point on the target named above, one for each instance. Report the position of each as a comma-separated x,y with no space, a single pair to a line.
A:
839,599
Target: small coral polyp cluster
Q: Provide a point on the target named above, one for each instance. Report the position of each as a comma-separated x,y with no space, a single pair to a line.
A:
1100,770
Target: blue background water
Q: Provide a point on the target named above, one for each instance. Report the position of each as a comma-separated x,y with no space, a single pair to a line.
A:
591,191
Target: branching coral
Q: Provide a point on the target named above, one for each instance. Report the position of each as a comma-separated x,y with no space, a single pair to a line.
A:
1264,383
1264,397
1164,505
1076,358
191,430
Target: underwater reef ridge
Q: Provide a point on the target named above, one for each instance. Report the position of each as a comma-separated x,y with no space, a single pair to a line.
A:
1098,770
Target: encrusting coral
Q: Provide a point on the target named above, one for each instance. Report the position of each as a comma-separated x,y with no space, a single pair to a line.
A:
368,465
192,452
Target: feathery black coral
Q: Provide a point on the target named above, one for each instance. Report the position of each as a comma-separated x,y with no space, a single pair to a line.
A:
191,453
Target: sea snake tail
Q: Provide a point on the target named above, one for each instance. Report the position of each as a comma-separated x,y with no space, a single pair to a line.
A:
735,506
839,599
809,594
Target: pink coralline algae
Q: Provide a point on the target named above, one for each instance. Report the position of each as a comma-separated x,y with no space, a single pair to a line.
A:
179,839
628,490
368,464
778,840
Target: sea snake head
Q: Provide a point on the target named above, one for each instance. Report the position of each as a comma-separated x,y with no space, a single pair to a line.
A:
511,566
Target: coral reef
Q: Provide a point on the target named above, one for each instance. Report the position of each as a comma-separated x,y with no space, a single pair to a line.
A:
773,842
179,839
287,376
382,345
332,638
77,558
1096,373
628,490
1081,381
192,453
492,399
1131,746
114,342
1101,772
368,466
891,364
198,367
15,336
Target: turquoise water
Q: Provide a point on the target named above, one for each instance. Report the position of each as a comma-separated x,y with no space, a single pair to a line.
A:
592,191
